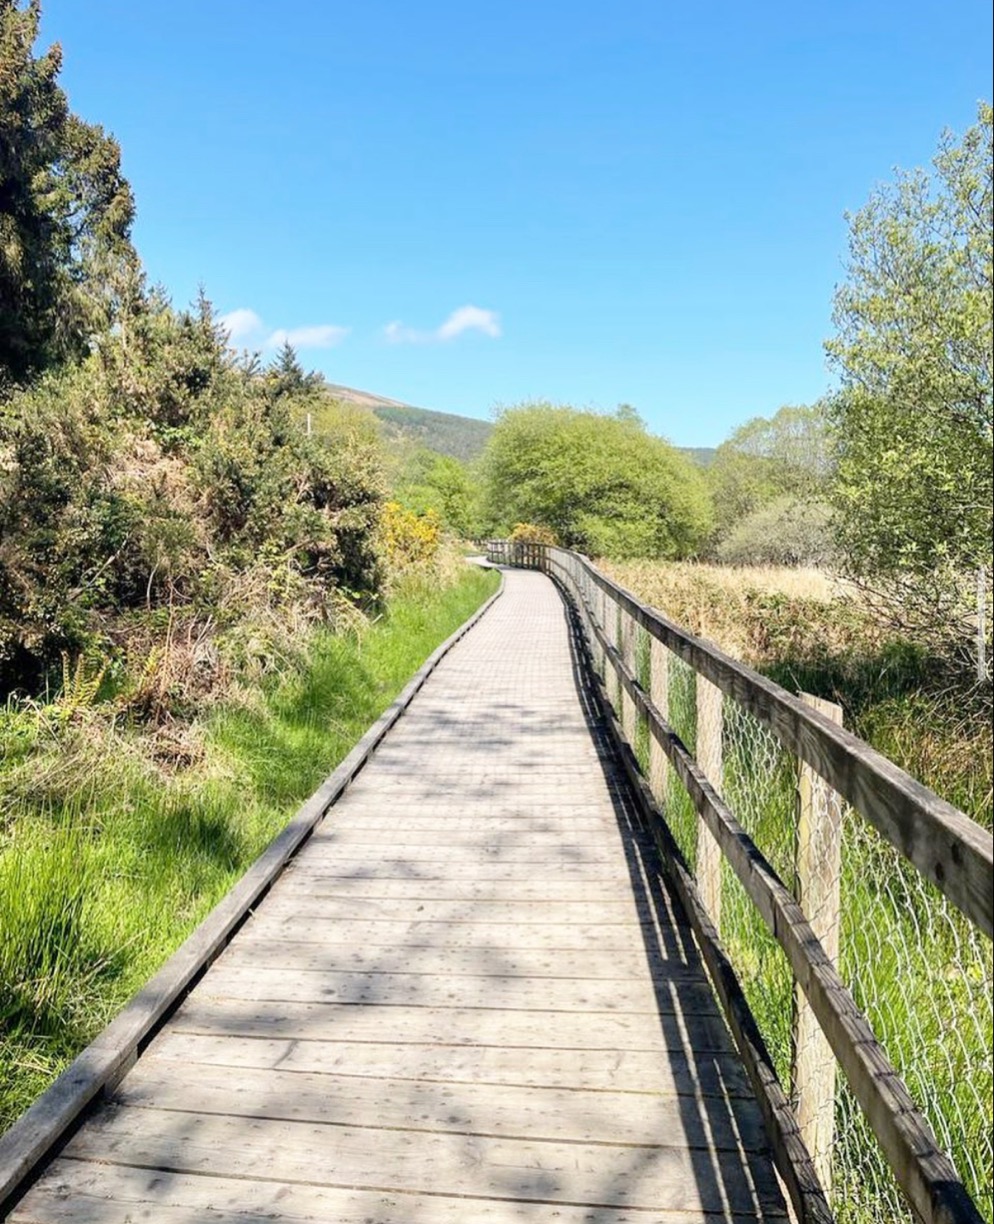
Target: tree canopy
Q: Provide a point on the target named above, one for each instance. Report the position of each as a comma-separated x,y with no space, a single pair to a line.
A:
66,210
913,494
603,484
786,456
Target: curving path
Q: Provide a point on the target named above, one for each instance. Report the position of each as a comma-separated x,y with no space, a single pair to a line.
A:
465,1000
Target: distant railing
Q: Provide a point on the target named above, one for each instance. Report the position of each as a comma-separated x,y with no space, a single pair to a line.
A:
844,911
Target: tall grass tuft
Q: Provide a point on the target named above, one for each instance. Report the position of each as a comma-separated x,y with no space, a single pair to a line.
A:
46,882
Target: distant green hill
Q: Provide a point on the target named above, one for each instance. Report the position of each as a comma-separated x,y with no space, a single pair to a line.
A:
461,437
444,432
703,456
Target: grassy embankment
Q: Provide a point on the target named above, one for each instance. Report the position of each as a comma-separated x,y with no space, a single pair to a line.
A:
917,968
108,857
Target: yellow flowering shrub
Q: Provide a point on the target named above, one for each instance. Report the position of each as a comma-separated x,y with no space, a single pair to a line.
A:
409,538
530,533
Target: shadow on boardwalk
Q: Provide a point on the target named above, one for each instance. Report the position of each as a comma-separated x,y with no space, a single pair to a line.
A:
469,999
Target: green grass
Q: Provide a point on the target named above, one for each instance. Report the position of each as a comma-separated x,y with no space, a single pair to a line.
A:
107,862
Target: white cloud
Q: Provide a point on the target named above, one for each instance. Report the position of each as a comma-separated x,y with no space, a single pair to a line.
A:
470,318
318,335
246,330
398,333
464,319
242,325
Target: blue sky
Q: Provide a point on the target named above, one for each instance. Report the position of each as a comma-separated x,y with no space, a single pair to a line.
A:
467,205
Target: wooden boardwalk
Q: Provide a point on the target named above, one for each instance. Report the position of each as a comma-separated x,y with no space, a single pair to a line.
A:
467,999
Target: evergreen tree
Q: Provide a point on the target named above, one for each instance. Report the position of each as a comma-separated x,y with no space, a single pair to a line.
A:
65,209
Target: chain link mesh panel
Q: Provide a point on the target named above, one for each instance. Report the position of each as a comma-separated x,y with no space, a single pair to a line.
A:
923,975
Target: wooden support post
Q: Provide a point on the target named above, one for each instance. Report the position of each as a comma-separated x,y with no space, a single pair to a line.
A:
819,875
709,724
659,684
600,607
626,647
612,623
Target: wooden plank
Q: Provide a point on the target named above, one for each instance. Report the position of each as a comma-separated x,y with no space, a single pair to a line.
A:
294,985
565,824
81,1192
680,1026
469,867
451,934
320,882
479,841
496,850
572,1115
653,1178
618,965
304,905
681,1071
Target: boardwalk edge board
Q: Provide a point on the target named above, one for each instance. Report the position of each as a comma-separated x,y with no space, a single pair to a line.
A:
791,1157
925,1173
102,1064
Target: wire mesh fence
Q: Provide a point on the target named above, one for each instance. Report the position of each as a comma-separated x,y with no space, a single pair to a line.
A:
917,968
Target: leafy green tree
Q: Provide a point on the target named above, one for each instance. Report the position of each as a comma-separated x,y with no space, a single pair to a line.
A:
65,209
766,460
602,484
784,531
913,494
442,483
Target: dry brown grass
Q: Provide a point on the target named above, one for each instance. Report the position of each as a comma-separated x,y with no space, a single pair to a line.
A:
756,613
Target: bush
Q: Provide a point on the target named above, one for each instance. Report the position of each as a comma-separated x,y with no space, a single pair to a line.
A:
147,475
529,533
601,484
787,531
409,538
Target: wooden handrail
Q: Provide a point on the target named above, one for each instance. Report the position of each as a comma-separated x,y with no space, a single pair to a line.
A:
921,1167
946,846
951,850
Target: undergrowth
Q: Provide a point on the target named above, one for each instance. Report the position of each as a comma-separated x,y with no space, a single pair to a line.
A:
110,852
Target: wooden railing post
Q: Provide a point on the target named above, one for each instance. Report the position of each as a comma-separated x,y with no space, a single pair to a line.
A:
595,600
626,648
612,615
659,685
819,876
709,719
